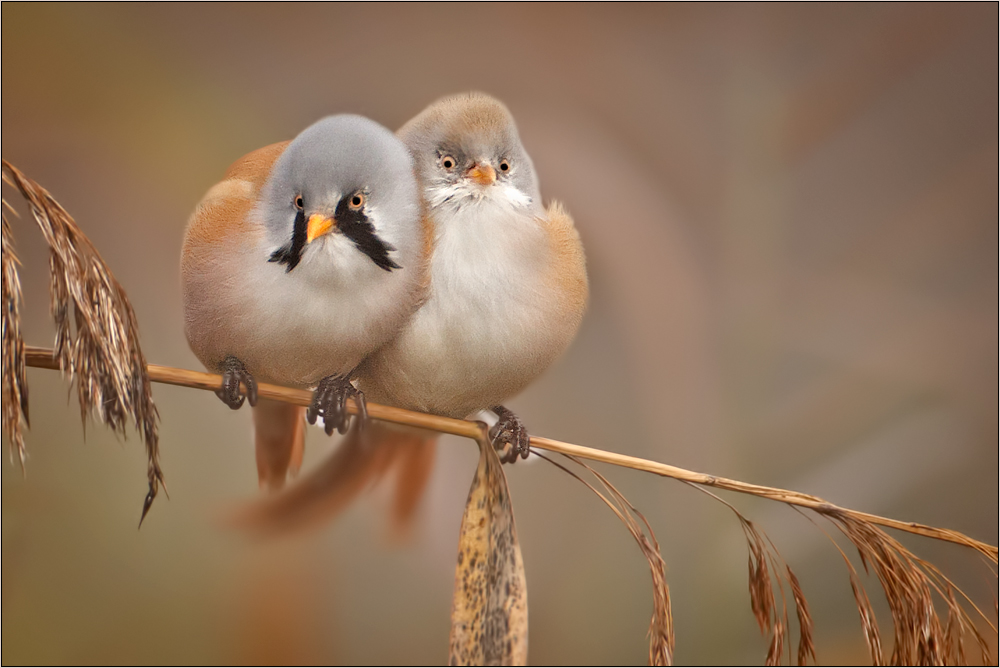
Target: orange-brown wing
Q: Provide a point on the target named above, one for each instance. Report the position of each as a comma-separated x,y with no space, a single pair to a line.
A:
218,229
567,274
222,213
256,165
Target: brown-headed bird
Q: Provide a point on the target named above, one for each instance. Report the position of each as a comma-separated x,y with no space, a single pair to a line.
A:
508,278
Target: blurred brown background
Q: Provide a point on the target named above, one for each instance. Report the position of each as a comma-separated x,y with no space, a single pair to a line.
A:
790,216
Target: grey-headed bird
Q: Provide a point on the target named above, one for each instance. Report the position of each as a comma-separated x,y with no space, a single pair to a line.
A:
305,258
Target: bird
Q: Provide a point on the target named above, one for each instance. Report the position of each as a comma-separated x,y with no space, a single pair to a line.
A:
508,281
304,259
507,293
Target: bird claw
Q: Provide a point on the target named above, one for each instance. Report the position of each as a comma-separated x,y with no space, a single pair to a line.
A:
233,374
509,437
330,402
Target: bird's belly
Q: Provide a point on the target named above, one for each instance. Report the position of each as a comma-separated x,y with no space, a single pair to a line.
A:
301,344
294,332
481,338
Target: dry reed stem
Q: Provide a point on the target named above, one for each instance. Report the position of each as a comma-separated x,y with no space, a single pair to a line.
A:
661,626
97,336
919,635
908,582
42,358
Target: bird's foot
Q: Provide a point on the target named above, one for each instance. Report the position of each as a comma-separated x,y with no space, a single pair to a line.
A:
233,374
510,438
330,402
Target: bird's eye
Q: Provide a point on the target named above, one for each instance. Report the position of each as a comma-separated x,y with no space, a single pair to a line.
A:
504,165
299,204
357,200
448,162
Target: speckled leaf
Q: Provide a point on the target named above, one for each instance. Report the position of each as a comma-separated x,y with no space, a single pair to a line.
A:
489,614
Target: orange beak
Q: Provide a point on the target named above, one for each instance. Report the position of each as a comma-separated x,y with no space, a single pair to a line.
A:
318,226
483,174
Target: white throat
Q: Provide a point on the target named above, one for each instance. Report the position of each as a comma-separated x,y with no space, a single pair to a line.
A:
449,198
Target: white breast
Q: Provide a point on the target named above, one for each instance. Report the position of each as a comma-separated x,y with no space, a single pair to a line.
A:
297,327
481,335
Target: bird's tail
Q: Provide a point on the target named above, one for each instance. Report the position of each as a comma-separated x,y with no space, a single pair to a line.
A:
364,456
279,434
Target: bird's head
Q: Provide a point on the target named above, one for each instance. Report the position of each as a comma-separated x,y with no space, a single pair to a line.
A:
345,186
467,150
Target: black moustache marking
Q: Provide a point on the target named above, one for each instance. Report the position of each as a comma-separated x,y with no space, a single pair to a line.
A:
291,253
354,225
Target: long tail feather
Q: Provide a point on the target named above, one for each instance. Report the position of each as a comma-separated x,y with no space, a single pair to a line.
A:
363,457
279,437
415,461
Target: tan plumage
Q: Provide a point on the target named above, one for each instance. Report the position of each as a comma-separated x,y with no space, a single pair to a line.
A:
216,232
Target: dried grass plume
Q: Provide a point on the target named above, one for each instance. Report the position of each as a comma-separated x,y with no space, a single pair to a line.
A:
661,626
15,384
97,337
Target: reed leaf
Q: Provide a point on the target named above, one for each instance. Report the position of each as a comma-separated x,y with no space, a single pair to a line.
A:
489,614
